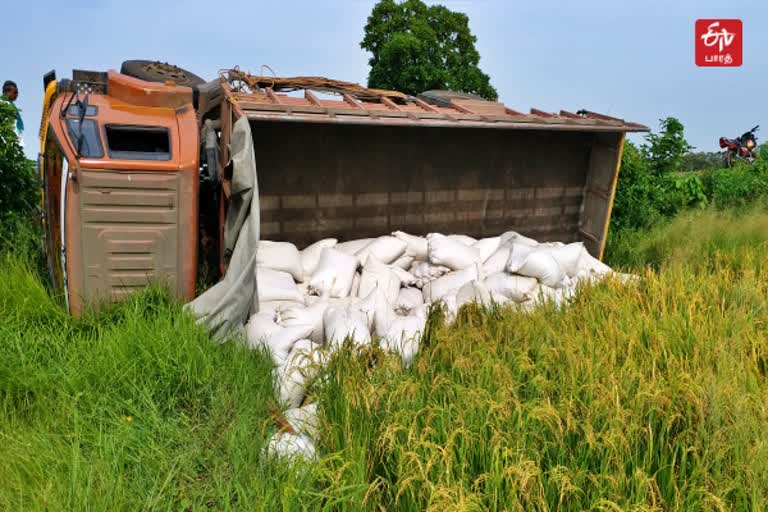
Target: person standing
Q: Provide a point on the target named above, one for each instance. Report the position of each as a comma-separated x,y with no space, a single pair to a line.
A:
10,94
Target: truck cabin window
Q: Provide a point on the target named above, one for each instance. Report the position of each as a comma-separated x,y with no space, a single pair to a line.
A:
138,142
85,138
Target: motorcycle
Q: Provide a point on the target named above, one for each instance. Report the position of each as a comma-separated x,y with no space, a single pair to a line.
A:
741,148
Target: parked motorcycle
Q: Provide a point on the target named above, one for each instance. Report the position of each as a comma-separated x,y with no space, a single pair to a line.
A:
741,148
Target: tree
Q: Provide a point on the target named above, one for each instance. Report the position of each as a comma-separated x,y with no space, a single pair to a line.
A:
665,151
416,48
18,182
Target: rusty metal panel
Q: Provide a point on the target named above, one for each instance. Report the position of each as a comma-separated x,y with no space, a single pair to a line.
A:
131,231
321,180
599,189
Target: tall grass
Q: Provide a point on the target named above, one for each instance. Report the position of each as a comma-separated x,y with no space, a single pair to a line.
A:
649,396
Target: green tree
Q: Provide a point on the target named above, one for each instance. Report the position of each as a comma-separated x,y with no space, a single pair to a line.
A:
18,183
665,151
416,48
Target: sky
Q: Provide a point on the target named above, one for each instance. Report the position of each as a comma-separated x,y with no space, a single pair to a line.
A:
631,59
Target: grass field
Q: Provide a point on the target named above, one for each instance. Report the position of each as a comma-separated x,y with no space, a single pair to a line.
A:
651,396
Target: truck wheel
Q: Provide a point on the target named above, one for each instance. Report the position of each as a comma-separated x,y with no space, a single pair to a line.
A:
155,71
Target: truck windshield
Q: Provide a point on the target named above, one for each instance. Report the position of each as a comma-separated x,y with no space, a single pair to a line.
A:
90,144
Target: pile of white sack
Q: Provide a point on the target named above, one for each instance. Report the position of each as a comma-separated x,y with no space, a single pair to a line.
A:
311,301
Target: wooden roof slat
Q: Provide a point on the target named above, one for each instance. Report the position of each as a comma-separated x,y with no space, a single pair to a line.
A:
312,98
352,102
391,104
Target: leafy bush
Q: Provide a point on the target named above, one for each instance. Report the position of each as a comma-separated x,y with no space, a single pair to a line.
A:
18,182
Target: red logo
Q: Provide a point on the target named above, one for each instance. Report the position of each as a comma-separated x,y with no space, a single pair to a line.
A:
719,43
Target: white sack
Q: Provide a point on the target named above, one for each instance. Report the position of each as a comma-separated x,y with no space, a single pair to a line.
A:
587,262
544,267
349,322
569,256
487,246
311,316
517,254
435,290
404,335
300,366
310,256
404,262
463,239
282,256
497,262
406,278
514,236
278,306
451,253
408,300
516,288
304,420
386,249
355,288
424,272
274,285
415,246
352,246
377,274
476,291
294,448
334,273
262,330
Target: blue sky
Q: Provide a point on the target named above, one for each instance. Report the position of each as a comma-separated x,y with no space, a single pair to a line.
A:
632,59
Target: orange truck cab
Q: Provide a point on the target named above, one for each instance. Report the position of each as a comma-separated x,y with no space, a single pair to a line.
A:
119,164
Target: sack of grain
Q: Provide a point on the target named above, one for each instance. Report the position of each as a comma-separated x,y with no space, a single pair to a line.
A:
476,291
352,246
408,300
497,262
569,256
463,239
404,262
341,323
282,256
263,331
310,256
513,287
517,254
451,253
487,246
334,274
406,278
300,366
291,447
355,288
544,267
415,246
514,236
311,316
304,420
377,274
275,285
404,335
589,263
437,289
278,306
424,272
386,249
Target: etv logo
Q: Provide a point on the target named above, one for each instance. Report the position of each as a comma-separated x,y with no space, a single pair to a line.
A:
719,43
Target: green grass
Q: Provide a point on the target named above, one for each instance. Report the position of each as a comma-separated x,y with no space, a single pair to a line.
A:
649,396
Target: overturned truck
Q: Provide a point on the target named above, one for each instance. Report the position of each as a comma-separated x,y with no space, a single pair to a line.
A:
151,174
